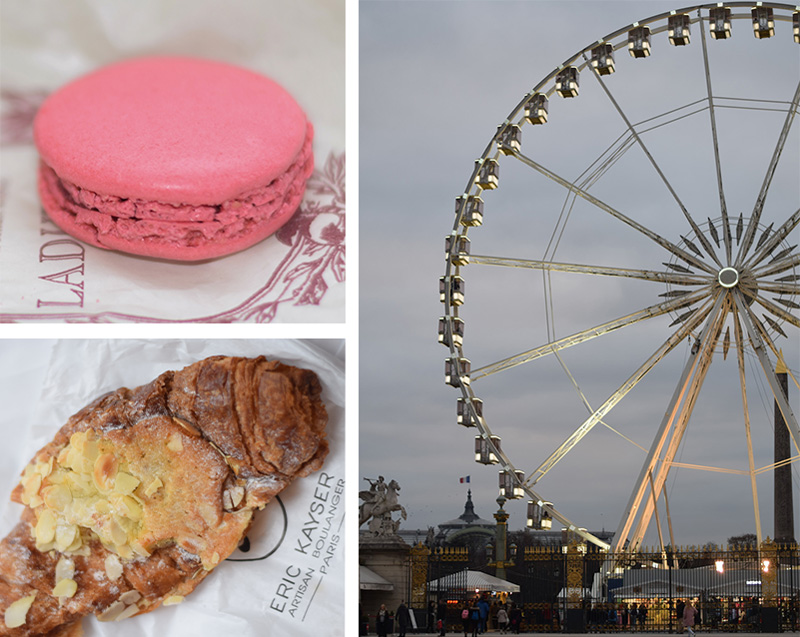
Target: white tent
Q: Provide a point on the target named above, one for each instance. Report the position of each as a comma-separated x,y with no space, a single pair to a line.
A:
369,580
472,581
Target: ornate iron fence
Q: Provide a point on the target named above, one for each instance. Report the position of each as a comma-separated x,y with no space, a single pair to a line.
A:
575,588
735,589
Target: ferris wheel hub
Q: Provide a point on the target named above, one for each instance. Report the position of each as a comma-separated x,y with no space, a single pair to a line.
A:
728,277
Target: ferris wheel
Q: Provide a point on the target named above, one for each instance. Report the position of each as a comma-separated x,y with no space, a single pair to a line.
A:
636,264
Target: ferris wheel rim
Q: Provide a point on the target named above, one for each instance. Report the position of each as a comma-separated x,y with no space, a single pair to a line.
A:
492,151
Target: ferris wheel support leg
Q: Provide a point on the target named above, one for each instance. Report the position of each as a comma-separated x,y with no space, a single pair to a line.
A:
769,370
635,500
707,343
740,360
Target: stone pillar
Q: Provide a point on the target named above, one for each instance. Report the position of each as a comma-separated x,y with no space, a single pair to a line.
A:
501,540
784,498
390,558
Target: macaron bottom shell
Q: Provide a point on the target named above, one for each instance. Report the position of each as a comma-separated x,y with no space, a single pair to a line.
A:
131,227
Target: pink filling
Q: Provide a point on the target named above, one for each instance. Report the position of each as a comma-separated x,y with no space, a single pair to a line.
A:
179,224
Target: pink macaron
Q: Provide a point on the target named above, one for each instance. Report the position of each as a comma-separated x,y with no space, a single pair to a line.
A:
172,157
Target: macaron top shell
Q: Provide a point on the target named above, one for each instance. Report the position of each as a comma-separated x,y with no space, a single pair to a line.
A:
170,129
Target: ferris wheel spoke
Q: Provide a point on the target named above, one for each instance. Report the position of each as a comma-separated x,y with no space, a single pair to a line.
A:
588,334
705,345
664,243
551,266
698,232
758,345
779,287
598,414
779,235
632,509
777,311
743,385
771,269
752,225
715,141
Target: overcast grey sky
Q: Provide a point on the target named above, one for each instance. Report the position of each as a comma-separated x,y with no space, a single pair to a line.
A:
436,79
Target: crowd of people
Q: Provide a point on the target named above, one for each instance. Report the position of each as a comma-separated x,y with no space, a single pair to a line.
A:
483,613
478,612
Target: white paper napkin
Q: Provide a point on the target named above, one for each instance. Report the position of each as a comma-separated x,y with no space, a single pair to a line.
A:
296,275
293,583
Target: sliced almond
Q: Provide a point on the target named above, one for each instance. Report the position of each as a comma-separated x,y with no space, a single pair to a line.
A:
105,471
17,613
77,461
65,568
139,548
46,527
112,612
65,536
125,483
35,502
45,468
83,550
232,496
91,451
237,493
61,458
175,444
172,600
125,551
154,486
77,544
116,532
31,485
188,427
65,588
57,496
212,562
130,597
133,509
102,506
130,611
81,486
113,567
78,439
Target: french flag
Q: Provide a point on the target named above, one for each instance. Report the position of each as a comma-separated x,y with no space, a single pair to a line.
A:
464,479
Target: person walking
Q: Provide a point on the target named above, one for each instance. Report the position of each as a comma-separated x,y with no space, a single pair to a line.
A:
441,617
475,617
642,616
515,619
382,621
465,620
679,608
502,619
483,610
403,620
689,614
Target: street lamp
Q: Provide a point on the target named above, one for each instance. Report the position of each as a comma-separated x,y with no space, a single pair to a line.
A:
501,561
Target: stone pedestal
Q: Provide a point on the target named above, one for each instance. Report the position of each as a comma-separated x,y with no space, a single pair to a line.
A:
389,557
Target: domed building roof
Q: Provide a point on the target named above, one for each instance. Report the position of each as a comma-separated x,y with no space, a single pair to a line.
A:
467,519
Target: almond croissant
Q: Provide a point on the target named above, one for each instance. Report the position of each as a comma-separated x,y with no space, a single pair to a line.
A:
144,491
